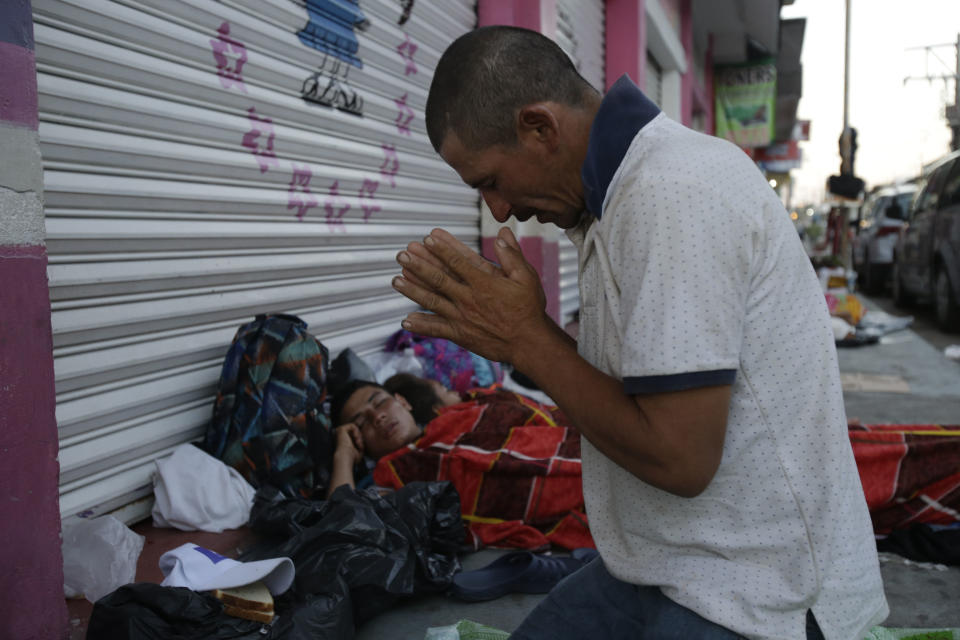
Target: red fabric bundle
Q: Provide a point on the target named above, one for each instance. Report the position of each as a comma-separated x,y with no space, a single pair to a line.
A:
516,469
910,473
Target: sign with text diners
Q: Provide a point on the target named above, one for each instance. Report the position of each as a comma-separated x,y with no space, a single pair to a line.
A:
745,97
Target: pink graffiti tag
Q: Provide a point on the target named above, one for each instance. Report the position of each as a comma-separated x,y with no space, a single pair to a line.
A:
299,196
230,56
260,140
404,115
368,191
335,207
391,164
406,49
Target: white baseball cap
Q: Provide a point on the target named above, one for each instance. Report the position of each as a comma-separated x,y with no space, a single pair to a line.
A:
201,569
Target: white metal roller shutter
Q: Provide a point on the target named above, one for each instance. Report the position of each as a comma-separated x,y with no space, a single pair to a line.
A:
189,186
580,33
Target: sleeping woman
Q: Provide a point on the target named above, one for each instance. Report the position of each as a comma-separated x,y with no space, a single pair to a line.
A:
514,464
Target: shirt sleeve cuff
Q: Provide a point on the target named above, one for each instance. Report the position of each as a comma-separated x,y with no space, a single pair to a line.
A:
678,381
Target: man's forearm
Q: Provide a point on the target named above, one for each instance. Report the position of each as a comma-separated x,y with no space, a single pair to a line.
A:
342,472
671,441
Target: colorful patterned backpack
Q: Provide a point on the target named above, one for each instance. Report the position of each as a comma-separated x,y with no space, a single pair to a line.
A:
270,422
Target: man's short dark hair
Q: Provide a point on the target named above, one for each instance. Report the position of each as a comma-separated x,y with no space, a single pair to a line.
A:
342,394
487,75
418,392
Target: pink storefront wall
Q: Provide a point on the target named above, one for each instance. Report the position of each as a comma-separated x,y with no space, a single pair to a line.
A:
31,571
626,46
31,567
695,96
626,41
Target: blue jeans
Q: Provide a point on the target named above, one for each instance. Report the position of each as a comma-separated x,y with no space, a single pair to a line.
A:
593,604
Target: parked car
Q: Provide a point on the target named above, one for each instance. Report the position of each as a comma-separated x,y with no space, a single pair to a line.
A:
927,255
881,218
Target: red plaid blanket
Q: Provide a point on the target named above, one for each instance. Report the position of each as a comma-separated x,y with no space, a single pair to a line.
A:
516,468
910,473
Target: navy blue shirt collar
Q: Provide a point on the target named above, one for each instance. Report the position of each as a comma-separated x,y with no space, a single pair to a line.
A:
623,112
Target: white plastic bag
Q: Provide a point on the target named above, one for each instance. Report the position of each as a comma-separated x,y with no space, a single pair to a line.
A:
195,491
99,556
841,328
387,363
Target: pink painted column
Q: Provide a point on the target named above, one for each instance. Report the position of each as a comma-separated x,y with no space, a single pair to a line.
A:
31,567
694,95
538,242
537,15
626,41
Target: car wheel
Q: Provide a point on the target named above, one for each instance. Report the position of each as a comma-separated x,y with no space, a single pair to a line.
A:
948,311
901,297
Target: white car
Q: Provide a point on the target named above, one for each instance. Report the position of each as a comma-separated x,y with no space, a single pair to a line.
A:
881,217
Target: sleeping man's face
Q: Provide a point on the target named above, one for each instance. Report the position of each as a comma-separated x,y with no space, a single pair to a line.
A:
384,420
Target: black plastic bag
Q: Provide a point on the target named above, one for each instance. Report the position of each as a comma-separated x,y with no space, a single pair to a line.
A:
924,543
146,611
357,553
327,616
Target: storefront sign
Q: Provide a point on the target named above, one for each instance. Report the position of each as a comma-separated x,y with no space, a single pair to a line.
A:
780,157
745,96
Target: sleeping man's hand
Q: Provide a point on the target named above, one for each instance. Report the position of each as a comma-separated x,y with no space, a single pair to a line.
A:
492,311
349,443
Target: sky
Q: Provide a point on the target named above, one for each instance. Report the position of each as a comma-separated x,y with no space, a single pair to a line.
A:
899,126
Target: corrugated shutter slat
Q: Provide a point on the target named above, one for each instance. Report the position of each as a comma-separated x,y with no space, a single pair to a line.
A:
189,186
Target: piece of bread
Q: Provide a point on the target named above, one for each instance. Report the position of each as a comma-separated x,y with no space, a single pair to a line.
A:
248,614
252,601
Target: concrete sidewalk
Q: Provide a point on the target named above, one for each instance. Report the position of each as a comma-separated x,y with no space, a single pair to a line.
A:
932,381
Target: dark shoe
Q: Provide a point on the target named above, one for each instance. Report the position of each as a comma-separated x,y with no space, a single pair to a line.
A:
516,572
584,554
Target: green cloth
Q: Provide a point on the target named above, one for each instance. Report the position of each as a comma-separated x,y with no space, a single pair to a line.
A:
883,633
466,630
469,630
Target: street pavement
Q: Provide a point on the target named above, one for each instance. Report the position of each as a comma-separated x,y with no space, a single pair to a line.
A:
904,378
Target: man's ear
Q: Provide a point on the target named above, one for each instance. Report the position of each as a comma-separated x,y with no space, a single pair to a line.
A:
538,122
403,402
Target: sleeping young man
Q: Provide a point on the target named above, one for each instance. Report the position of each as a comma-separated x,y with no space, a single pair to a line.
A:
513,461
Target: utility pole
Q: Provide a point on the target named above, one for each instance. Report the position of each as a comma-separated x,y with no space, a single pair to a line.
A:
846,71
951,111
847,184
